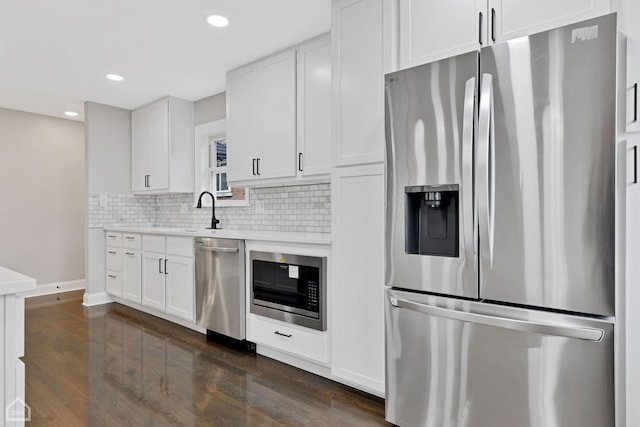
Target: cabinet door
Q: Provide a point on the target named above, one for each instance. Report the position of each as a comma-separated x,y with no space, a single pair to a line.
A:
633,81
153,292
516,18
180,287
314,107
277,115
357,236
159,150
357,82
242,122
113,284
140,148
434,29
132,276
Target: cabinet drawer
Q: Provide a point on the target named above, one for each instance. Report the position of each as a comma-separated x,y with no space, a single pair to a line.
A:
131,241
114,239
114,259
113,283
153,243
292,340
181,246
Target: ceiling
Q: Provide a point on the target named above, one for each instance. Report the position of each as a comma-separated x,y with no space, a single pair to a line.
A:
54,55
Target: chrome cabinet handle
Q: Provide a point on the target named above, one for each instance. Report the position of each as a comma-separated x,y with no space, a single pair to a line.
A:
581,333
111,236
283,335
165,266
468,209
129,253
111,252
130,238
635,164
480,28
111,276
160,265
300,162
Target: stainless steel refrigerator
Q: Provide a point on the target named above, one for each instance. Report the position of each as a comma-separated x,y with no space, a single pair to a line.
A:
499,254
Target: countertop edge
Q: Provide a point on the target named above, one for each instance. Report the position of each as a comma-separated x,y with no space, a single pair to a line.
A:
263,236
12,282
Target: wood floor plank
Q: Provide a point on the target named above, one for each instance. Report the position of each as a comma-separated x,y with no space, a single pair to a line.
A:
111,365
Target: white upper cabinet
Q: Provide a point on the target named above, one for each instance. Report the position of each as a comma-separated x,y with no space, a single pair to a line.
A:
357,82
242,122
629,12
162,147
278,115
435,29
314,107
430,30
261,113
277,112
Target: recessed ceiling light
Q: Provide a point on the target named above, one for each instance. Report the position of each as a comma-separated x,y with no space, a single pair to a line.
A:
217,21
71,113
115,77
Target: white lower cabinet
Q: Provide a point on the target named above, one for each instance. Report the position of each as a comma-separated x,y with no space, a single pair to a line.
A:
113,283
168,275
357,300
297,341
153,292
179,280
132,275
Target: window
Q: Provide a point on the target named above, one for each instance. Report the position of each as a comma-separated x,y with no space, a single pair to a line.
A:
211,166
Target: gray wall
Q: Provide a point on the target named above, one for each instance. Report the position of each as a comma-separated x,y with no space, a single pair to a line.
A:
210,109
43,209
108,164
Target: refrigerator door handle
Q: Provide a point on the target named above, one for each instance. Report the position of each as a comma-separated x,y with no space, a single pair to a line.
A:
485,170
577,332
468,207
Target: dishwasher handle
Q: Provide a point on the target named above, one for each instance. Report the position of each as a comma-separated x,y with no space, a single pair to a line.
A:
217,249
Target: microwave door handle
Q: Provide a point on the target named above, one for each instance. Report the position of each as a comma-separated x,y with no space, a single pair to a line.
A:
217,249
576,332
485,171
468,206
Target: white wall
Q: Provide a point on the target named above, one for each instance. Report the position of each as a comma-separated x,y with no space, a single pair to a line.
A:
42,188
108,164
211,108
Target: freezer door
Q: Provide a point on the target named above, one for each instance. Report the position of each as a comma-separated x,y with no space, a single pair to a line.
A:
545,168
430,113
467,364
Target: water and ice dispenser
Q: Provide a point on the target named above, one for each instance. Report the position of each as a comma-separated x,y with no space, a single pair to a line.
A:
432,220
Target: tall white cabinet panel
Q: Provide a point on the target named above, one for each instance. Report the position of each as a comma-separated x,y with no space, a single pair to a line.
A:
357,307
277,97
516,18
242,122
153,289
180,287
436,29
162,147
314,107
357,82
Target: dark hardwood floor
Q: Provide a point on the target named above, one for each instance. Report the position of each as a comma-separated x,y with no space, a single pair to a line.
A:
112,365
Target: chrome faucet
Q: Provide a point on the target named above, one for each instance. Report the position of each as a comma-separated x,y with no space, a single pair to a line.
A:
214,221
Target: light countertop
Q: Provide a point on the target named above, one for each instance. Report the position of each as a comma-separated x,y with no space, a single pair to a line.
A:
270,236
12,282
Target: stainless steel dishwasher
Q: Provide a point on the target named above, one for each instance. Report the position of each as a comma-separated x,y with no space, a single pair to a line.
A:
220,286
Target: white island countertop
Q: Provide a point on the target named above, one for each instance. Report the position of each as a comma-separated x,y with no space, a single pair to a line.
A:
270,236
12,282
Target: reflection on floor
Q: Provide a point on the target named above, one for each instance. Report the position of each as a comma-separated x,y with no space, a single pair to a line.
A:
111,365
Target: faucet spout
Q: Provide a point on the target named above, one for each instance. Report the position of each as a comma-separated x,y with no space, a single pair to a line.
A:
214,221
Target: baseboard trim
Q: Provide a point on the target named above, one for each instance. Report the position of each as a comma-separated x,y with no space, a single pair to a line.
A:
54,288
96,298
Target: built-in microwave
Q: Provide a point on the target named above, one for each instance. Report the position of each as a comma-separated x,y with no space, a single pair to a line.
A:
289,287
